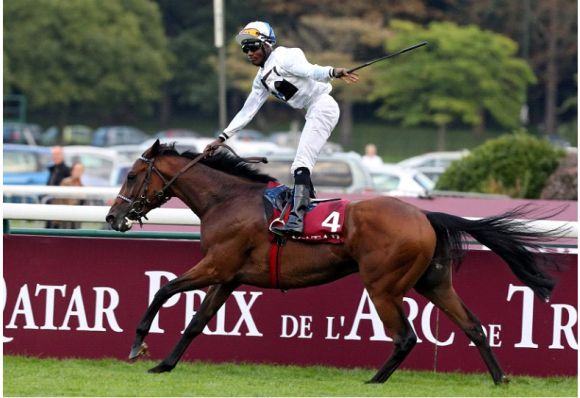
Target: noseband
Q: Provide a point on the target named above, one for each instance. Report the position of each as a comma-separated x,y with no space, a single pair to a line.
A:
136,211
138,204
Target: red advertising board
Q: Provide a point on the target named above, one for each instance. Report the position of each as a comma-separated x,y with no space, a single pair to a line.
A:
83,297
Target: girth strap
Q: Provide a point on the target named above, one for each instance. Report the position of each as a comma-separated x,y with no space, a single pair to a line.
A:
275,254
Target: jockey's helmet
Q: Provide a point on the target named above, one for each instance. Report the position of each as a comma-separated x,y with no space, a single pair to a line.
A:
257,31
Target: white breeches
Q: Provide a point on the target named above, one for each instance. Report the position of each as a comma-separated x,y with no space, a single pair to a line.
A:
321,118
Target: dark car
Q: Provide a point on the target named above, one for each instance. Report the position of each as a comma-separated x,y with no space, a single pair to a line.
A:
118,135
21,133
25,164
70,135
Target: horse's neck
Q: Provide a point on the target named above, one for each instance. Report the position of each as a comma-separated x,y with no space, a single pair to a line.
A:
202,188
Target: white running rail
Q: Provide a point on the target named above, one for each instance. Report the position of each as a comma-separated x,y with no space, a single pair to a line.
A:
17,211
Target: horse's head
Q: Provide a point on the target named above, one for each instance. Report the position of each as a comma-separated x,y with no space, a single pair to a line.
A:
144,189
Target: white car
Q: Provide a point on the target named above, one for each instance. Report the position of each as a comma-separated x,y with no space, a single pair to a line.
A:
99,163
128,153
394,180
433,164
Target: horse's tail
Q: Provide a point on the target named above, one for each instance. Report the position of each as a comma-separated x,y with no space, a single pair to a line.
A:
513,240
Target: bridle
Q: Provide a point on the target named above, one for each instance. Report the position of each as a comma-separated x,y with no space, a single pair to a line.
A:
136,211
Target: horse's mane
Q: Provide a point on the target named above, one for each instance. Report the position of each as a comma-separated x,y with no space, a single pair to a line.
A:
223,161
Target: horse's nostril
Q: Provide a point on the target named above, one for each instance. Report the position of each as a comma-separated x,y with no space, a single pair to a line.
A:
110,218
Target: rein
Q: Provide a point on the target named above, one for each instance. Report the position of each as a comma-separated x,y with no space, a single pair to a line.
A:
161,196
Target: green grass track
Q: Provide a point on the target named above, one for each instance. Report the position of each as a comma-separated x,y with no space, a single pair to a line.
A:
25,376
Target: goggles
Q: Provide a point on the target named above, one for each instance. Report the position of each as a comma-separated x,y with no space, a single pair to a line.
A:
252,46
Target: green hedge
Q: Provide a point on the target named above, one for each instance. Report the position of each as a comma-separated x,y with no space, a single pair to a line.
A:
516,164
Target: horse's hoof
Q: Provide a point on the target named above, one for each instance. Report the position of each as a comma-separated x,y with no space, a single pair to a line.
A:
138,351
503,380
161,368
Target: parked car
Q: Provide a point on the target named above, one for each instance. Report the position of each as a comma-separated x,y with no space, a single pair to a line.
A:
21,133
245,135
99,163
119,173
25,164
259,148
118,135
394,180
290,139
341,172
177,133
71,135
128,153
182,144
433,164
242,148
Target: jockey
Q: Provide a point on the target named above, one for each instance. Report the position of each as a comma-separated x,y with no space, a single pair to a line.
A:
286,74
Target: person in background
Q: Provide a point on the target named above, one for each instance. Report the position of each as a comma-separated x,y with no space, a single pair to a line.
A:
370,159
77,170
287,75
58,171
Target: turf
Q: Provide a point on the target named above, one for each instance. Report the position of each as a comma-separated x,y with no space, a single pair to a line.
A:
24,376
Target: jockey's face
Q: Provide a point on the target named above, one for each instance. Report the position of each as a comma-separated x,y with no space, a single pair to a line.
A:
257,53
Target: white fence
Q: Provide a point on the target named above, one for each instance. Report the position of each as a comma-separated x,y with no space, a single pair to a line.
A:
21,211
18,211
35,191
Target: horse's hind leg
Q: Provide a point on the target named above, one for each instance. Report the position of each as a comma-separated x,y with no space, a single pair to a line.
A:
436,286
215,298
391,312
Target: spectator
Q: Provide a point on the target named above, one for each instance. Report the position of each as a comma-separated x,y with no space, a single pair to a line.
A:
58,171
74,180
371,160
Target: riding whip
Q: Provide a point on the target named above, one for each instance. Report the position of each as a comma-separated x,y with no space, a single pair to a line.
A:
423,43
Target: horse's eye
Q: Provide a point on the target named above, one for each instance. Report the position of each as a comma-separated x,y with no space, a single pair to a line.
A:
131,176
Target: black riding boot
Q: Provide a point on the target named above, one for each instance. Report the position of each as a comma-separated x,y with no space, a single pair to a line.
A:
300,202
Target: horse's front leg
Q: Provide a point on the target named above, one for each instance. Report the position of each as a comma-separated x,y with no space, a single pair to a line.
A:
198,277
215,298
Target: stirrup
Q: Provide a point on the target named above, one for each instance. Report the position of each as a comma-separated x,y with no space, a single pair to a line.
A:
279,220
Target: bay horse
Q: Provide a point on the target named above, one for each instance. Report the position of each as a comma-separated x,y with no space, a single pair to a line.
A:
393,245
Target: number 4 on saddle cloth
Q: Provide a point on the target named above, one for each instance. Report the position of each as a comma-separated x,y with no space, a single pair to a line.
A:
323,221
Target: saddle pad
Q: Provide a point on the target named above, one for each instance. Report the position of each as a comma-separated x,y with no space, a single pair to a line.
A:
323,222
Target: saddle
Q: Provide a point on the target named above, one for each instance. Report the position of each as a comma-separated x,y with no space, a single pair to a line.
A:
323,221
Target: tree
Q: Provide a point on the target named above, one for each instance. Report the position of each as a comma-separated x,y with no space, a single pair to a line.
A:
6,74
547,31
111,56
189,27
464,75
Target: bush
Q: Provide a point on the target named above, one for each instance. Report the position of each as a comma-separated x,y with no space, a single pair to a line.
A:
516,164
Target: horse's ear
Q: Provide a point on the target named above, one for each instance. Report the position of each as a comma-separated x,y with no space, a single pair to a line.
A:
155,148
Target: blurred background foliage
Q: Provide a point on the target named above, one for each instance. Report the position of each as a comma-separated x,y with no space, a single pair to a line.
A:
517,165
153,64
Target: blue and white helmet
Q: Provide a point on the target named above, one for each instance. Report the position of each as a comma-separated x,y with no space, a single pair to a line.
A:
257,30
